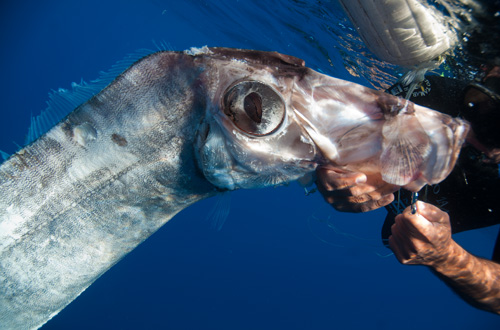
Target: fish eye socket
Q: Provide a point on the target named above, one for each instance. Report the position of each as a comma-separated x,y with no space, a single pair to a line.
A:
254,107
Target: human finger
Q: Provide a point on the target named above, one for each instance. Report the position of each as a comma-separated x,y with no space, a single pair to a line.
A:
372,191
329,179
402,243
430,212
493,156
398,247
354,184
413,225
359,204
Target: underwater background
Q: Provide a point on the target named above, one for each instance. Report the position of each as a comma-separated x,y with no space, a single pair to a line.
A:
282,260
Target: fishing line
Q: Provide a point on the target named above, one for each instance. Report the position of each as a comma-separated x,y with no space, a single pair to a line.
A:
343,239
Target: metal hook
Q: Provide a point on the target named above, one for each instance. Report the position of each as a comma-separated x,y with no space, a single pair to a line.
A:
414,199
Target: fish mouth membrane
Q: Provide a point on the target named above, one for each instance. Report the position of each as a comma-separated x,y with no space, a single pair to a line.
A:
414,150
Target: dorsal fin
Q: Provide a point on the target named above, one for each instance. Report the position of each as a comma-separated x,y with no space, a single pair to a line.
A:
4,155
63,101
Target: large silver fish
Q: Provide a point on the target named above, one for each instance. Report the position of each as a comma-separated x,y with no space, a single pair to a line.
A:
178,127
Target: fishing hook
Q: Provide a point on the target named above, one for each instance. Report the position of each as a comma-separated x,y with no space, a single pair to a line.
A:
414,198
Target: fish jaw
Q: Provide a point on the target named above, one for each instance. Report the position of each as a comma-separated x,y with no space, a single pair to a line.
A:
272,120
359,129
447,135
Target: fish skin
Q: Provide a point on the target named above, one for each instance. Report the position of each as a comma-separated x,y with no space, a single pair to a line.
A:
157,139
71,210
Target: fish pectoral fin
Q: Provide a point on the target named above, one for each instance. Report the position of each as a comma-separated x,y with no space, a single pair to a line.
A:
220,211
404,149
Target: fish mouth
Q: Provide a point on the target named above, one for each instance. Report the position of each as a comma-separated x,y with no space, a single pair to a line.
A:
361,130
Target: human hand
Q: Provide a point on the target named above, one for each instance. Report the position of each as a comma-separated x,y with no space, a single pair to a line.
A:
423,238
353,192
493,156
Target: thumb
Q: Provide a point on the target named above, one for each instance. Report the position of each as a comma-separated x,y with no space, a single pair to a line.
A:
334,179
431,213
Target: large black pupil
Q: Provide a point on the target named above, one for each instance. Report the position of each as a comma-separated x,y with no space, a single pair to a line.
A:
253,107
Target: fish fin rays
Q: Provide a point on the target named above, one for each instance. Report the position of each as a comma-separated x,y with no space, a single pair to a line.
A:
4,155
63,101
220,211
162,46
59,105
404,151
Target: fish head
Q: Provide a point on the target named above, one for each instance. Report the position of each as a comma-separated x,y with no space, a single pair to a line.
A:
271,120
250,137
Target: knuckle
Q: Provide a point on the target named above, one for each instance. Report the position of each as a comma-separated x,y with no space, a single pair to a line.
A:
365,208
347,207
406,261
356,190
384,201
359,199
330,200
341,184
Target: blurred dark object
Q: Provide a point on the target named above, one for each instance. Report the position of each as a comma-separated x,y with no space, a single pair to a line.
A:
483,40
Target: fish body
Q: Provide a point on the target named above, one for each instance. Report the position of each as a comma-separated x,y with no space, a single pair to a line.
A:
178,127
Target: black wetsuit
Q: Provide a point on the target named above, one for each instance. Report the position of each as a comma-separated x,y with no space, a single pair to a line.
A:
470,194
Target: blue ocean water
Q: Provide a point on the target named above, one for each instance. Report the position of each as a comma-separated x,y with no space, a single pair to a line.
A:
282,260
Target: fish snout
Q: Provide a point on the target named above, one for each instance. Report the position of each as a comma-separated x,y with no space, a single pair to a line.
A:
361,130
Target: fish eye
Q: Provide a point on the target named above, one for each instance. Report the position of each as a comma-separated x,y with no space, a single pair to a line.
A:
254,107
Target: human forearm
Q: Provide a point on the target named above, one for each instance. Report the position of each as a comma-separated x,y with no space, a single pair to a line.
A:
475,279
424,238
